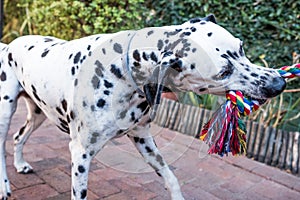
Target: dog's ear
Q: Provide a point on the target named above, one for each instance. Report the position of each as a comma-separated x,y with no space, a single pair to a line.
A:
210,18
155,85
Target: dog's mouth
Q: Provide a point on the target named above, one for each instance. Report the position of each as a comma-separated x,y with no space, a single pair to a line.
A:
260,100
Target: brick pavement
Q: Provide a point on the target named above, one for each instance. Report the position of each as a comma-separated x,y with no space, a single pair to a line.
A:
119,173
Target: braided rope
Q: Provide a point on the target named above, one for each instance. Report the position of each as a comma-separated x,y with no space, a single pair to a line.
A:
246,106
290,71
225,132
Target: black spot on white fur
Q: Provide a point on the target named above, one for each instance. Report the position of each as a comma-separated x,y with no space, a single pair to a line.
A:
103,51
10,59
95,82
108,84
81,169
116,71
48,40
99,68
150,32
160,45
153,57
106,92
77,58
73,70
145,56
187,33
64,104
136,55
83,194
3,76
59,111
101,103
118,48
31,47
45,53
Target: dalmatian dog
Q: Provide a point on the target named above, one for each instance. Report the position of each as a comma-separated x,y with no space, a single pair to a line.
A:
105,86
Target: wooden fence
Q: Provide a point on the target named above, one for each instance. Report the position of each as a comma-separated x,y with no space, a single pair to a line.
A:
265,144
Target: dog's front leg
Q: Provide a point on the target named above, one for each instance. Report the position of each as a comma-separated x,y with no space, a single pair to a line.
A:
81,160
144,142
83,149
7,108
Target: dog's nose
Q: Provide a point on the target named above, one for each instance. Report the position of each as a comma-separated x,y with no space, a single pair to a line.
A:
276,86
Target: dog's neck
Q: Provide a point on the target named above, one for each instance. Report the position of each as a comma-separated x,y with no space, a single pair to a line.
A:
145,52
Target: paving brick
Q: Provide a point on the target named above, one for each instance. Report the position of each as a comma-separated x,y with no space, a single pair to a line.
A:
296,186
133,191
249,177
145,177
207,181
195,193
245,163
158,188
265,171
92,196
36,192
218,168
118,196
63,196
287,180
201,176
130,162
23,180
96,165
109,174
57,179
237,185
101,188
222,193
66,169
62,151
49,163
272,190
37,152
67,196
184,177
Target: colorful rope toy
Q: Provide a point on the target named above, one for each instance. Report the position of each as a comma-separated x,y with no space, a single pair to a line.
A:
226,132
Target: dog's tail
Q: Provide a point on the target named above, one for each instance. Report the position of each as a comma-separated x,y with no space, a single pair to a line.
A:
2,48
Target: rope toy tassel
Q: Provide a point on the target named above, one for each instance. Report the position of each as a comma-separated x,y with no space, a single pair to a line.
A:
226,132
290,71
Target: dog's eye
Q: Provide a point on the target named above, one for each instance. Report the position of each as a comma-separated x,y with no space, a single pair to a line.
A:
224,73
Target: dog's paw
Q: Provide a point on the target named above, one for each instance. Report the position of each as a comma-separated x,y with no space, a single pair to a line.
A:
24,169
5,191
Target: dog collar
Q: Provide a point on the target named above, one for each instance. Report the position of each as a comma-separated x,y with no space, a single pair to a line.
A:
127,68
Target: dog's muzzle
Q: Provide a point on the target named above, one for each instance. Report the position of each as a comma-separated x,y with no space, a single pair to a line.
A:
276,86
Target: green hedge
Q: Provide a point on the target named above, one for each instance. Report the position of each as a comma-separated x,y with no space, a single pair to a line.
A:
70,19
269,29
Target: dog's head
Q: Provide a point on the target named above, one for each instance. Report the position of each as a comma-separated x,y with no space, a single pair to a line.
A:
205,58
